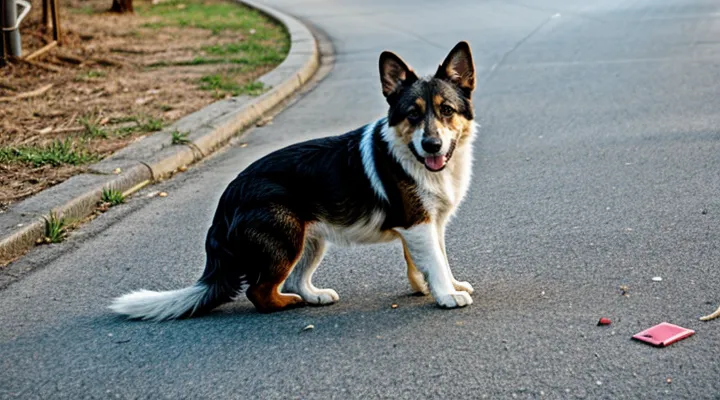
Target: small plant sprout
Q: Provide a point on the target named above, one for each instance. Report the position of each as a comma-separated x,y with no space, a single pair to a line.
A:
112,197
93,129
180,137
151,125
54,228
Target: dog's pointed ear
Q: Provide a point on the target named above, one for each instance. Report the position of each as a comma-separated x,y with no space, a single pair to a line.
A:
394,73
459,68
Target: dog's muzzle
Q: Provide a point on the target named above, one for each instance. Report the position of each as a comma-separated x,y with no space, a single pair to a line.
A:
434,162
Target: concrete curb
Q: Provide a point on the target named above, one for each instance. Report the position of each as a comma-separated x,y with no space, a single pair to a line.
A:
155,157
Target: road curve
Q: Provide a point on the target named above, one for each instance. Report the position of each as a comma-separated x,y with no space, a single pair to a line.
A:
596,167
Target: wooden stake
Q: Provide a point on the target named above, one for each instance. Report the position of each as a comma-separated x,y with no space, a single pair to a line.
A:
33,93
37,53
54,9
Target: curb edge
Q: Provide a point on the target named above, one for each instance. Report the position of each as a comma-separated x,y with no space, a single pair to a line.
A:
303,44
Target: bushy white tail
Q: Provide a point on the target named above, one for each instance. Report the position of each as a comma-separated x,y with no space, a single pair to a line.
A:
158,306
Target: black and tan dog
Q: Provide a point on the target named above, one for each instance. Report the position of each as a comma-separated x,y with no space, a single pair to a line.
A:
400,177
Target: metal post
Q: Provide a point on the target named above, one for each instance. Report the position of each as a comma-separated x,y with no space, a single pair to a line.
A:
9,27
3,56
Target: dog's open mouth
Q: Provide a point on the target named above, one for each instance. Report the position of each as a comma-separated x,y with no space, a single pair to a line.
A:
434,162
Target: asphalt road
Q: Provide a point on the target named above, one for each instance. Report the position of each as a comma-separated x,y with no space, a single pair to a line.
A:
598,165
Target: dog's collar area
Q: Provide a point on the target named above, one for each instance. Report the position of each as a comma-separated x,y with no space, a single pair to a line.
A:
424,160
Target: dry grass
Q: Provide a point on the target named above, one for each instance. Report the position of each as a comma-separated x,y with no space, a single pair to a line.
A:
118,77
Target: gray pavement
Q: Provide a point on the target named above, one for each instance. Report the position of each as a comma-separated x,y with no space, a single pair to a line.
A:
596,167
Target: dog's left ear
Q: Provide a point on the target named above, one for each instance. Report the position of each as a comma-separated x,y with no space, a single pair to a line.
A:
459,68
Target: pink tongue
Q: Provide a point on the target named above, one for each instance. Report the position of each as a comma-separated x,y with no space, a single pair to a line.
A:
435,162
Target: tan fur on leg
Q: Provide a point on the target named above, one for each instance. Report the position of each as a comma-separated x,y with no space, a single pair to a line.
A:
267,298
416,278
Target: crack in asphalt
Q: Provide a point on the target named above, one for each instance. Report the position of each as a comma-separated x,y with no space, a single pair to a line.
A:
517,45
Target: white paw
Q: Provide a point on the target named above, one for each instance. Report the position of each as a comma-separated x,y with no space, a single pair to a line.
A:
320,296
463,287
454,300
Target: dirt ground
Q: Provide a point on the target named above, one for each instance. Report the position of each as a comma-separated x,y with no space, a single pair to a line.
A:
116,78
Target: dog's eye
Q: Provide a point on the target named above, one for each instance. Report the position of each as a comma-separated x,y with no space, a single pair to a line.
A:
413,115
446,111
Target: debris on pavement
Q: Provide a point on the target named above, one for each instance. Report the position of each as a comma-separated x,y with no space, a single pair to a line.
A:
668,380
308,328
711,316
604,321
264,121
663,334
393,306
657,278
624,289
162,194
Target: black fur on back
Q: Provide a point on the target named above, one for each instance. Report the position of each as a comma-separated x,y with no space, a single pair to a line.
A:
317,180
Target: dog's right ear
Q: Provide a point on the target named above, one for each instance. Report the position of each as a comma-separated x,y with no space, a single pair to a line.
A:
394,73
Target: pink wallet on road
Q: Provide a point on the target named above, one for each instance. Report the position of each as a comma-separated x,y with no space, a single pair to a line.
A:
663,334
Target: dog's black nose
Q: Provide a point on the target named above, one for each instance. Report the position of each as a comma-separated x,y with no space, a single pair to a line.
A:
431,144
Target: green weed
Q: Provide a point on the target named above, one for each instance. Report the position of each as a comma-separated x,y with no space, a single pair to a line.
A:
223,84
55,230
112,197
151,124
55,154
92,129
180,137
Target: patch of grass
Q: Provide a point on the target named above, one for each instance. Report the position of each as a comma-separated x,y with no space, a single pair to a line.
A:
251,52
264,42
253,88
151,124
125,131
92,129
183,63
214,16
223,84
142,124
54,228
56,153
92,74
180,137
112,197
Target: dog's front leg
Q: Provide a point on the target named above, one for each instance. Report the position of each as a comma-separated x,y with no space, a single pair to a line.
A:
423,246
416,278
458,285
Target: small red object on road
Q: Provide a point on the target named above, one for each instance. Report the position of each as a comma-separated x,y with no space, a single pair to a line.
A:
663,334
604,321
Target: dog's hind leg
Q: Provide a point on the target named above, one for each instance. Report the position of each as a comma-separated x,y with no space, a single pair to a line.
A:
271,243
300,280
